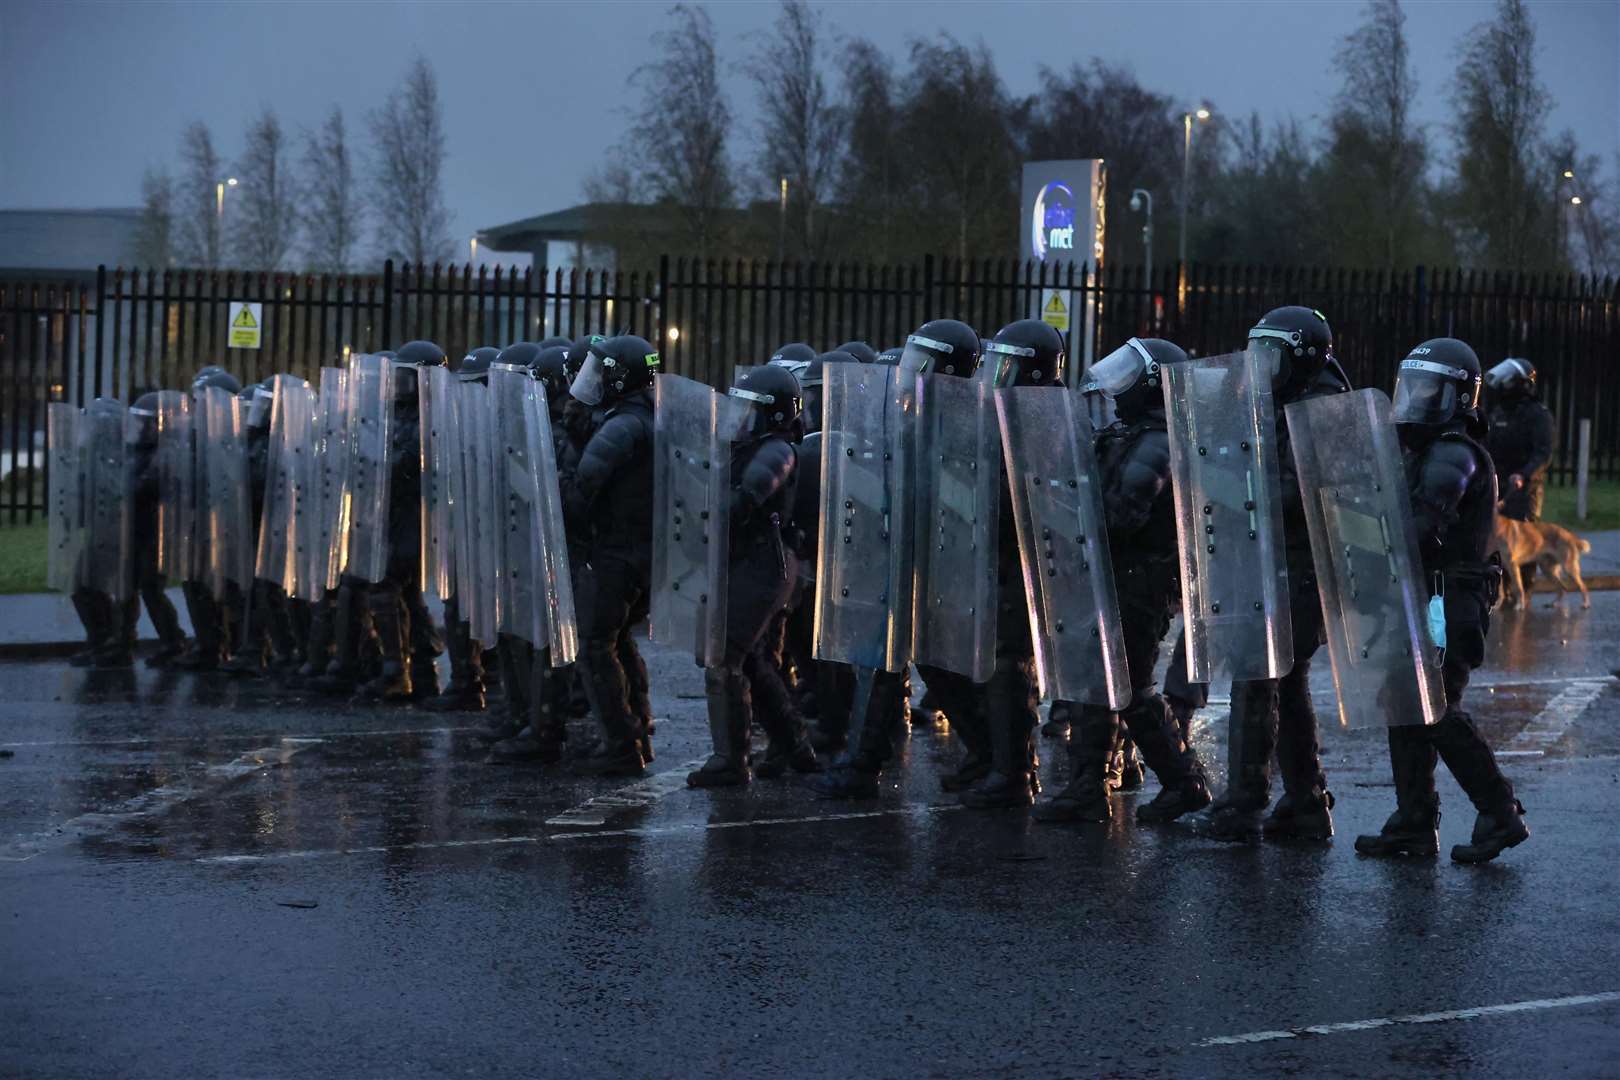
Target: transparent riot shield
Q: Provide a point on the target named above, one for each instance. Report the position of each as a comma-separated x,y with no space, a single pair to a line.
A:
865,550
1369,573
550,556
1048,445
692,430
441,453
958,503
369,388
225,491
1223,464
475,515
105,562
328,489
66,471
517,490
176,479
282,518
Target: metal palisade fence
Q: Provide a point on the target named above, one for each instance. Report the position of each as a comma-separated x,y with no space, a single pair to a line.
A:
120,332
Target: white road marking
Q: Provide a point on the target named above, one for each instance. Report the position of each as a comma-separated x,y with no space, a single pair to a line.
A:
541,838
1415,1018
222,737
636,796
1552,722
157,801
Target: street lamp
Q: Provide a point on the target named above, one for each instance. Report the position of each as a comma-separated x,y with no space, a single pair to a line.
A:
1201,114
781,226
219,195
1142,199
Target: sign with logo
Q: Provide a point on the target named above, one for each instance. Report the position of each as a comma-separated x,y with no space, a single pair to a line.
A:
1061,226
246,327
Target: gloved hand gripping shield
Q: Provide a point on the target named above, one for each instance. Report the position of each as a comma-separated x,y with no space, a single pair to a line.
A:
1223,464
105,565
369,388
865,558
1048,443
693,430
66,529
225,496
958,505
1369,573
441,454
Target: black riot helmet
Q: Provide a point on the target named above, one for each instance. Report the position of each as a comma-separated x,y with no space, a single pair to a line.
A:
890,357
141,422
1514,377
520,355
259,399
475,365
615,368
776,397
1131,378
1297,342
942,347
555,340
217,377
1028,352
1437,386
413,355
549,366
860,350
793,353
578,350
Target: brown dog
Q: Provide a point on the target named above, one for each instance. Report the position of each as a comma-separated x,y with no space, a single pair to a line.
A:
1554,549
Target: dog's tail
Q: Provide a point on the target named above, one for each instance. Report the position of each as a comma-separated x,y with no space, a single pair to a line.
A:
1583,545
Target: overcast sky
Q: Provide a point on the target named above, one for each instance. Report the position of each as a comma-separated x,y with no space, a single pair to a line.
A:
92,94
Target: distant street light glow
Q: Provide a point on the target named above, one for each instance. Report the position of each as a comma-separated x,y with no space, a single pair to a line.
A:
1574,200
674,333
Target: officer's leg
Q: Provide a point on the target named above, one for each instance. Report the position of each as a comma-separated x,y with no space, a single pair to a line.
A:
423,637
835,691
89,612
1010,716
635,676
778,715
253,651
1253,738
616,596
1305,810
342,672
466,689
959,699
857,770
507,721
1093,734
730,705
318,645
544,732
283,635
165,620
386,602
207,645
1184,697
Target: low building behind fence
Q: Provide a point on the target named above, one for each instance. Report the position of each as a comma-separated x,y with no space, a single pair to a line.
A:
123,331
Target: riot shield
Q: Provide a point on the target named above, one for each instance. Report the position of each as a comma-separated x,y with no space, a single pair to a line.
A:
1048,445
958,504
369,389
550,556
285,512
1223,464
692,432
441,448
323,554
865,552
1369,573
176,476
66,470
475,514
226,493
105,562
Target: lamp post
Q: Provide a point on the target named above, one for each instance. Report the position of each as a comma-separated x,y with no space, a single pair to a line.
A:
1201,114
781,226
1142,199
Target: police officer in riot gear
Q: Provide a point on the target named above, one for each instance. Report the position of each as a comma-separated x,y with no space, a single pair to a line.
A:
747,685
404,631
1520,439
1452,484
145,495
555,341
860,350
610,493
1139,506
1276,715
211,633
266,635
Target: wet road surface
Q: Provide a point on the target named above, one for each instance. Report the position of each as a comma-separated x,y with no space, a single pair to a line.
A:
205,877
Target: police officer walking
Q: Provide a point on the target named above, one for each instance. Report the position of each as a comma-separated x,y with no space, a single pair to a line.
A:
1520,440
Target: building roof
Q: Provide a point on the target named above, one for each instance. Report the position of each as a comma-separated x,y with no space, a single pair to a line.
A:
58,240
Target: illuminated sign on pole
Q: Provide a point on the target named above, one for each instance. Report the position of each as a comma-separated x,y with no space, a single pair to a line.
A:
1061,225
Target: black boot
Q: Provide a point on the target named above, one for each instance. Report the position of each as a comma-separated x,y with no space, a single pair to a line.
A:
1058,720
729,712
392,683
1155,733
514,657
1304,816
1131,774
1414,827
542,740
618,752
1093,733
1010,717
1236,816
466,690
1494,832
1183,712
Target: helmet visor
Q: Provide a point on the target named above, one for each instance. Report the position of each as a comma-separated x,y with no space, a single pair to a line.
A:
1508,373
1272,349
259,411
1426,392
587,385
798,367
921,354
1119,370
1003,362
1099,409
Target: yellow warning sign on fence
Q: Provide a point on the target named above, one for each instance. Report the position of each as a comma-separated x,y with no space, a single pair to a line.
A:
247,325
1054,312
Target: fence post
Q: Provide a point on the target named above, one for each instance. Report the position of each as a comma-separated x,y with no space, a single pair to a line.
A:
663,305
1420,299
927,289
388,304
1583,468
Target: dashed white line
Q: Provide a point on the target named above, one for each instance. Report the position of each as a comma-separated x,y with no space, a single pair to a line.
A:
1535,1005
1552,722
158,740
636,796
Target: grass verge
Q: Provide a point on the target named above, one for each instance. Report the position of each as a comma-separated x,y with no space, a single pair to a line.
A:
22,558
1602,507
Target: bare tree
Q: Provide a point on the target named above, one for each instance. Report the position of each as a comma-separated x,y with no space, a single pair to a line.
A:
871,172
1501,193
408,170
679,131
265,221
1376,155
198,202
334,214
154,239
801,129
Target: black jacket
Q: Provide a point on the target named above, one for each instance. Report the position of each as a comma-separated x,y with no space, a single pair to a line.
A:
1453,487
611,489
